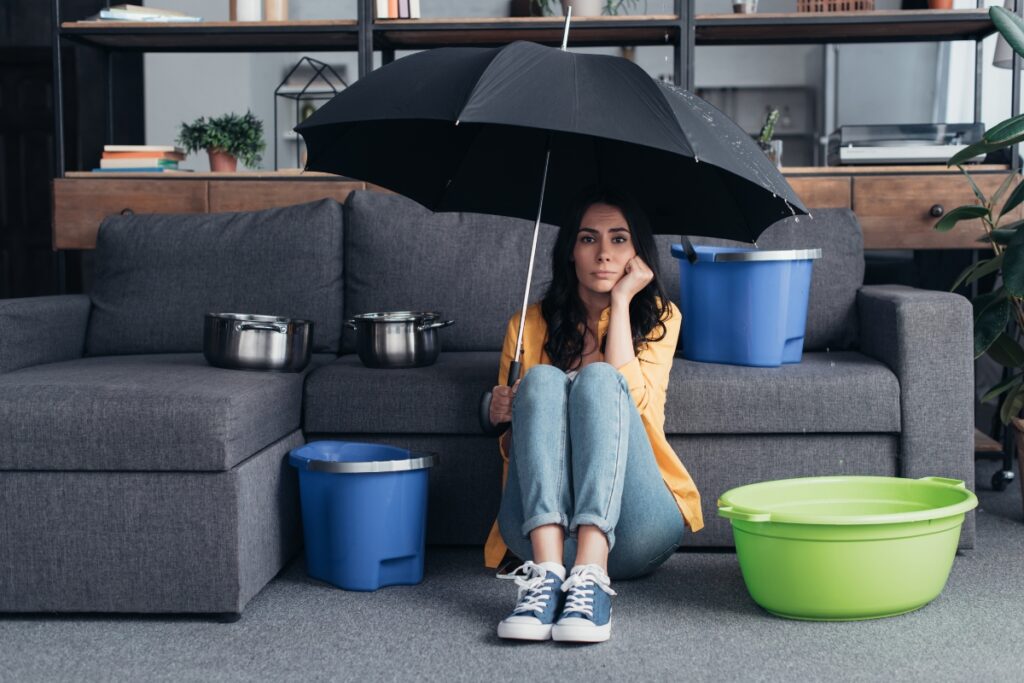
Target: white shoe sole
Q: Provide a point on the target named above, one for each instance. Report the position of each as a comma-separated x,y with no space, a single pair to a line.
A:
524,631
571,633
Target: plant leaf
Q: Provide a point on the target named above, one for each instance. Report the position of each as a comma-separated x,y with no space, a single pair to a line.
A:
1014,200
1005,130
974,186
1003,187
978,270
1010,26
1012,405
1002,235
1007,352
972,151
991,313
960,213
1013,265
1002,387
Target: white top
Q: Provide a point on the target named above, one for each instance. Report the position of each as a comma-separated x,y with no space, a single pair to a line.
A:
572,374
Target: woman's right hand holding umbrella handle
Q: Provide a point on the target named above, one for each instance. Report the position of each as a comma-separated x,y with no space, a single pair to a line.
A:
496,405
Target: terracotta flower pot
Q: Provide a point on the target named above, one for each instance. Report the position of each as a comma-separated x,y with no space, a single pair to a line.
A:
940,4
221,161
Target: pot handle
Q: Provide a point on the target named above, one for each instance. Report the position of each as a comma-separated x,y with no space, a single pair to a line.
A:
729,513
269,327
432,326
351,322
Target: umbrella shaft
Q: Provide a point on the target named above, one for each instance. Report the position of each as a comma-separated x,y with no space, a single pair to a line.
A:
533,251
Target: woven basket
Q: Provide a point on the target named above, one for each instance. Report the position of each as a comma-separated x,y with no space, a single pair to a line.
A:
834,5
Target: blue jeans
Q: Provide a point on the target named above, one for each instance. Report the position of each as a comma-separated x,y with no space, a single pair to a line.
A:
580,455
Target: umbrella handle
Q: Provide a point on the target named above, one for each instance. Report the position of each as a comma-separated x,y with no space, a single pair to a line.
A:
485,405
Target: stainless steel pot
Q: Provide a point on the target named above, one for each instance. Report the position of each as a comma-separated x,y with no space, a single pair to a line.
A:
398,339
257,342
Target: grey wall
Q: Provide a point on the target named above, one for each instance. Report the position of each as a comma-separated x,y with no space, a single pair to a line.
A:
876,83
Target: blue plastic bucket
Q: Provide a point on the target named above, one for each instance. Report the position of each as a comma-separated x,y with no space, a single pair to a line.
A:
744,306
364,513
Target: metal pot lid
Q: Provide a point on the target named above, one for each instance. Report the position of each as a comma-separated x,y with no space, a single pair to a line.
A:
250,317
398,316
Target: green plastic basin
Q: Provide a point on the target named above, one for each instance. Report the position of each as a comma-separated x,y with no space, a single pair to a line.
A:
844,548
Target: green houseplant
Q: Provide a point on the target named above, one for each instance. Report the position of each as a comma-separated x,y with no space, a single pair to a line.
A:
998,315
226,139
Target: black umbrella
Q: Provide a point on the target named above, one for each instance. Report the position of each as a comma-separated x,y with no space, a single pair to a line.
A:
486,129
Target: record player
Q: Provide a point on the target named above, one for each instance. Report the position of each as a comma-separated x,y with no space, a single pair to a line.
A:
917,143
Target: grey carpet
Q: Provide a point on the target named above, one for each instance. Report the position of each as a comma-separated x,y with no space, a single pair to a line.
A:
691,620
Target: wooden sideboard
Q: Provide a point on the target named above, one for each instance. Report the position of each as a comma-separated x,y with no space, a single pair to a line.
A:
896,205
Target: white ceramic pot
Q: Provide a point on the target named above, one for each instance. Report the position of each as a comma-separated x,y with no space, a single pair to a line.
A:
583,8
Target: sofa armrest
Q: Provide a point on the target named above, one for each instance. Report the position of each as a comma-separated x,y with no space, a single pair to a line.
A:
926,338
42,329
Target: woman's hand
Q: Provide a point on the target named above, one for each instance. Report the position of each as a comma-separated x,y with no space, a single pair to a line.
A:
638,275
501,403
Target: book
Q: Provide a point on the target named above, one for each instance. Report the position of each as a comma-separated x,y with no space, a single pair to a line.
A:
138,163
176,156
414,9
153,169
403,9
139,13
392,9
381,9
143,148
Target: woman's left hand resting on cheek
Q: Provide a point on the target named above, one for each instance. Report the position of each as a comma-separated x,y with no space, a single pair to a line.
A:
637,276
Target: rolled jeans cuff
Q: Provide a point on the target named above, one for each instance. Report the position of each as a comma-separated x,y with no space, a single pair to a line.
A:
593,520
546,518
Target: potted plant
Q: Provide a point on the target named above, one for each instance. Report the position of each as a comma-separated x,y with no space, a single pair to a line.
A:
226,139
773,148
999,314
584,8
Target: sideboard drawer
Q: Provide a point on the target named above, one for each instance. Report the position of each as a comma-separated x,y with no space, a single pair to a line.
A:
254,195
898,212
823,193
80,205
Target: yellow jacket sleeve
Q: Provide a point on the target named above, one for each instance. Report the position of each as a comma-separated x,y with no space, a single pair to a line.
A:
647,373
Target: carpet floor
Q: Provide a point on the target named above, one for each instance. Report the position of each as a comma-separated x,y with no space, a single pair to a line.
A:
691,620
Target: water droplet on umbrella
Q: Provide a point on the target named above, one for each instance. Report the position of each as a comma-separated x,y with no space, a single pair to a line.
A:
811,216
456,122
831,363
696,160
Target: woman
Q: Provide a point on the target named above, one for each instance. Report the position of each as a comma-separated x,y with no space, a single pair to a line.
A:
589,475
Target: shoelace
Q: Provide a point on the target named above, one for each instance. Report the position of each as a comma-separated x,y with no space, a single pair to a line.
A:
534,591
580,599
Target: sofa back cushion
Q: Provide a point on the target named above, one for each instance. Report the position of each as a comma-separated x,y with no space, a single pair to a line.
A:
156,276
472,268
836,276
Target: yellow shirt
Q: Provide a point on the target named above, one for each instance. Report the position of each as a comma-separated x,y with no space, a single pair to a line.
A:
647,376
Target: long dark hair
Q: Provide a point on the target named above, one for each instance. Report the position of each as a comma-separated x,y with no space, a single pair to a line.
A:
562,307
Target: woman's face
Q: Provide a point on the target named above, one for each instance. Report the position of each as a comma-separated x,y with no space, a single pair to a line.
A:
604,244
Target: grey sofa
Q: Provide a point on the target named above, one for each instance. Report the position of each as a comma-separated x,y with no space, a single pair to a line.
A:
133,477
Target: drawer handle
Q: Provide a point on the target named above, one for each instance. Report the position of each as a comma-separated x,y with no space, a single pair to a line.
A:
937,210
127,212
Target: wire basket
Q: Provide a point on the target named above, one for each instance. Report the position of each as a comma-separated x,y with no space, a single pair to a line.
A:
834,5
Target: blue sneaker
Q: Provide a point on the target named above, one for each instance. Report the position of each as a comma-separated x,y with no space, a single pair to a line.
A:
587,615
539,601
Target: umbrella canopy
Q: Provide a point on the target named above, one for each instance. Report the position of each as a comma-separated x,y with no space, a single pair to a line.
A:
468,129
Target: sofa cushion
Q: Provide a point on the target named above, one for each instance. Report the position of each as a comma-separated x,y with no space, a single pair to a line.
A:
400,256
158,275
142,412
836,276
827,392
842,391
443,398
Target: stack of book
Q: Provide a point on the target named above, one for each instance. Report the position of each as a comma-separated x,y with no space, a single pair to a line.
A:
140,158
140,13
396,9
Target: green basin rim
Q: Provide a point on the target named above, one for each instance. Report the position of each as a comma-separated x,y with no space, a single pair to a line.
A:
969,502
